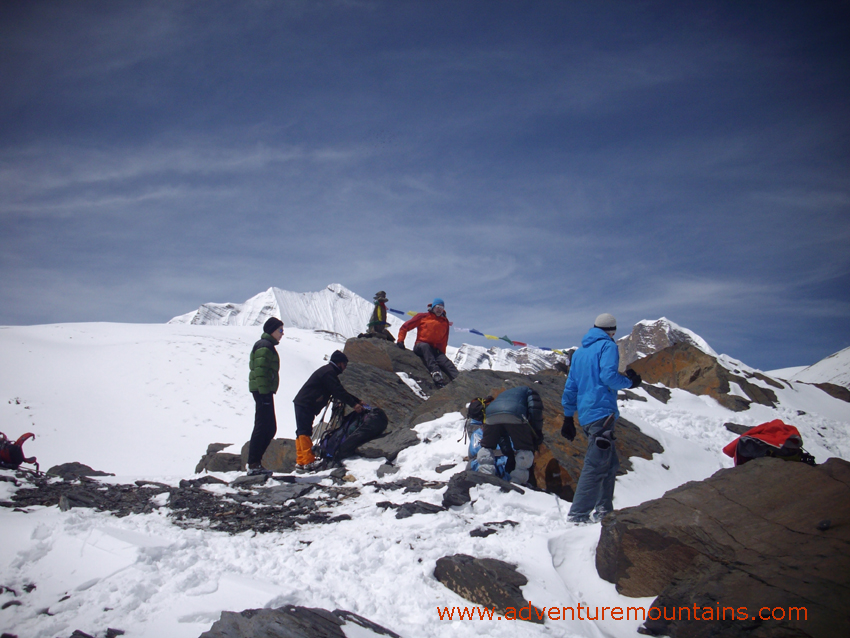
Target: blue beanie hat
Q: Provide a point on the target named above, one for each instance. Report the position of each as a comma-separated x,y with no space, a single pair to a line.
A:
438,302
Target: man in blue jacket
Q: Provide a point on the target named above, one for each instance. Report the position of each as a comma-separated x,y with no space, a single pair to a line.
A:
517,413
591,390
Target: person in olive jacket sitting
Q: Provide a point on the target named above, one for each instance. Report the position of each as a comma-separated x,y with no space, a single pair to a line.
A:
314,395
263,381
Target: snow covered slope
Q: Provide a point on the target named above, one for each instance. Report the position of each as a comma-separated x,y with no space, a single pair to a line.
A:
522,360
833,369
144,401
335,309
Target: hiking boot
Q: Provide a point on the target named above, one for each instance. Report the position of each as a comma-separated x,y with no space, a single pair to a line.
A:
259,471
315,466
438,379
579,520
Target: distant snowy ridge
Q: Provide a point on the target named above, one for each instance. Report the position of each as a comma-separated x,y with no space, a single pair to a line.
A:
335,309
648,337
833,369
522,360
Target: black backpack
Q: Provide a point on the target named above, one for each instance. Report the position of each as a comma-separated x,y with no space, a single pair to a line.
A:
12,452
354,430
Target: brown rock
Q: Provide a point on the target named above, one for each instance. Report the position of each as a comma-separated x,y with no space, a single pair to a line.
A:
750,536
686,367
488,582
279,456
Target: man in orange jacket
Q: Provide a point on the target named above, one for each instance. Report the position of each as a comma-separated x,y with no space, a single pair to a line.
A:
432,337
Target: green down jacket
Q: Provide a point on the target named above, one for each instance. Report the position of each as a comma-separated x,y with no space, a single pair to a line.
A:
265,366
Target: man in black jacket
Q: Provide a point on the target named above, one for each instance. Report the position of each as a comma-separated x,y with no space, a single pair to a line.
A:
314,395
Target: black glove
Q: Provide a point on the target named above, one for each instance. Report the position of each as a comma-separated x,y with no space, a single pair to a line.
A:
400,344
568,430
634,377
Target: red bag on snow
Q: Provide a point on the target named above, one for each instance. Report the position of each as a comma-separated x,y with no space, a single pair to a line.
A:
774,438
12,452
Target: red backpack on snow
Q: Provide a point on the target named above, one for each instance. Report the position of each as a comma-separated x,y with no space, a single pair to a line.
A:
12,452
774,438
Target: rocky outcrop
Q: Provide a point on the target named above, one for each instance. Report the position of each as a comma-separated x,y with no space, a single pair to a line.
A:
491,583
685,366
769,533
291,621
260,504
373,375
457,493
649,337
217,461
71,471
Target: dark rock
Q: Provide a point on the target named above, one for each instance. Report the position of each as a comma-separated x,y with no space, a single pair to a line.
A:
406,510
628,395
689,368
457,493
659,393
113,633
734,428
214,461
488,582
386,469
442,468
279,456
480,532
71,471
745,537
836,391
289,621
411,484
280,494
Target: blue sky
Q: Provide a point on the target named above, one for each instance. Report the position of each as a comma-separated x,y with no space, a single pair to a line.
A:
532,163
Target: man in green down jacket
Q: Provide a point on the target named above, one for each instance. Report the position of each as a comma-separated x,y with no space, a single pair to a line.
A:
263,381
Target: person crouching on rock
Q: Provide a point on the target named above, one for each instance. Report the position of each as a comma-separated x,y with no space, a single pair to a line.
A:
314,395
517,413
263,381
432,337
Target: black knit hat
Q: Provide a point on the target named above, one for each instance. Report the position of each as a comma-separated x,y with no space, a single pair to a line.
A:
272,324
338,357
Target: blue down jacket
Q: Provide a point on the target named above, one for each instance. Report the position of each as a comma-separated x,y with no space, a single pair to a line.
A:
512,405
592,385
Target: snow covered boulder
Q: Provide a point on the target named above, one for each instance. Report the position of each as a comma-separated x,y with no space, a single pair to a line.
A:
768,534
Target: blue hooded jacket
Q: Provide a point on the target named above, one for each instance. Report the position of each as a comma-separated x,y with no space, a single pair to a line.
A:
592,385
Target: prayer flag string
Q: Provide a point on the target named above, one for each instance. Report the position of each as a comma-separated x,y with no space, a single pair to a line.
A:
481,334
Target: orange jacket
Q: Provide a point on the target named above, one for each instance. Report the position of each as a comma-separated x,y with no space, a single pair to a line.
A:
430,328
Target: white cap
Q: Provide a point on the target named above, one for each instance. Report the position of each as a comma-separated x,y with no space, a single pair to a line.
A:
605,322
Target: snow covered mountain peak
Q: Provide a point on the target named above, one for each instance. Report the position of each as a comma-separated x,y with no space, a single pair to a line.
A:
650,336
334,309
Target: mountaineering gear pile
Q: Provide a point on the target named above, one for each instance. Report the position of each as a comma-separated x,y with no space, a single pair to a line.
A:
265,365
592,385
354,429
12,452
775,439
